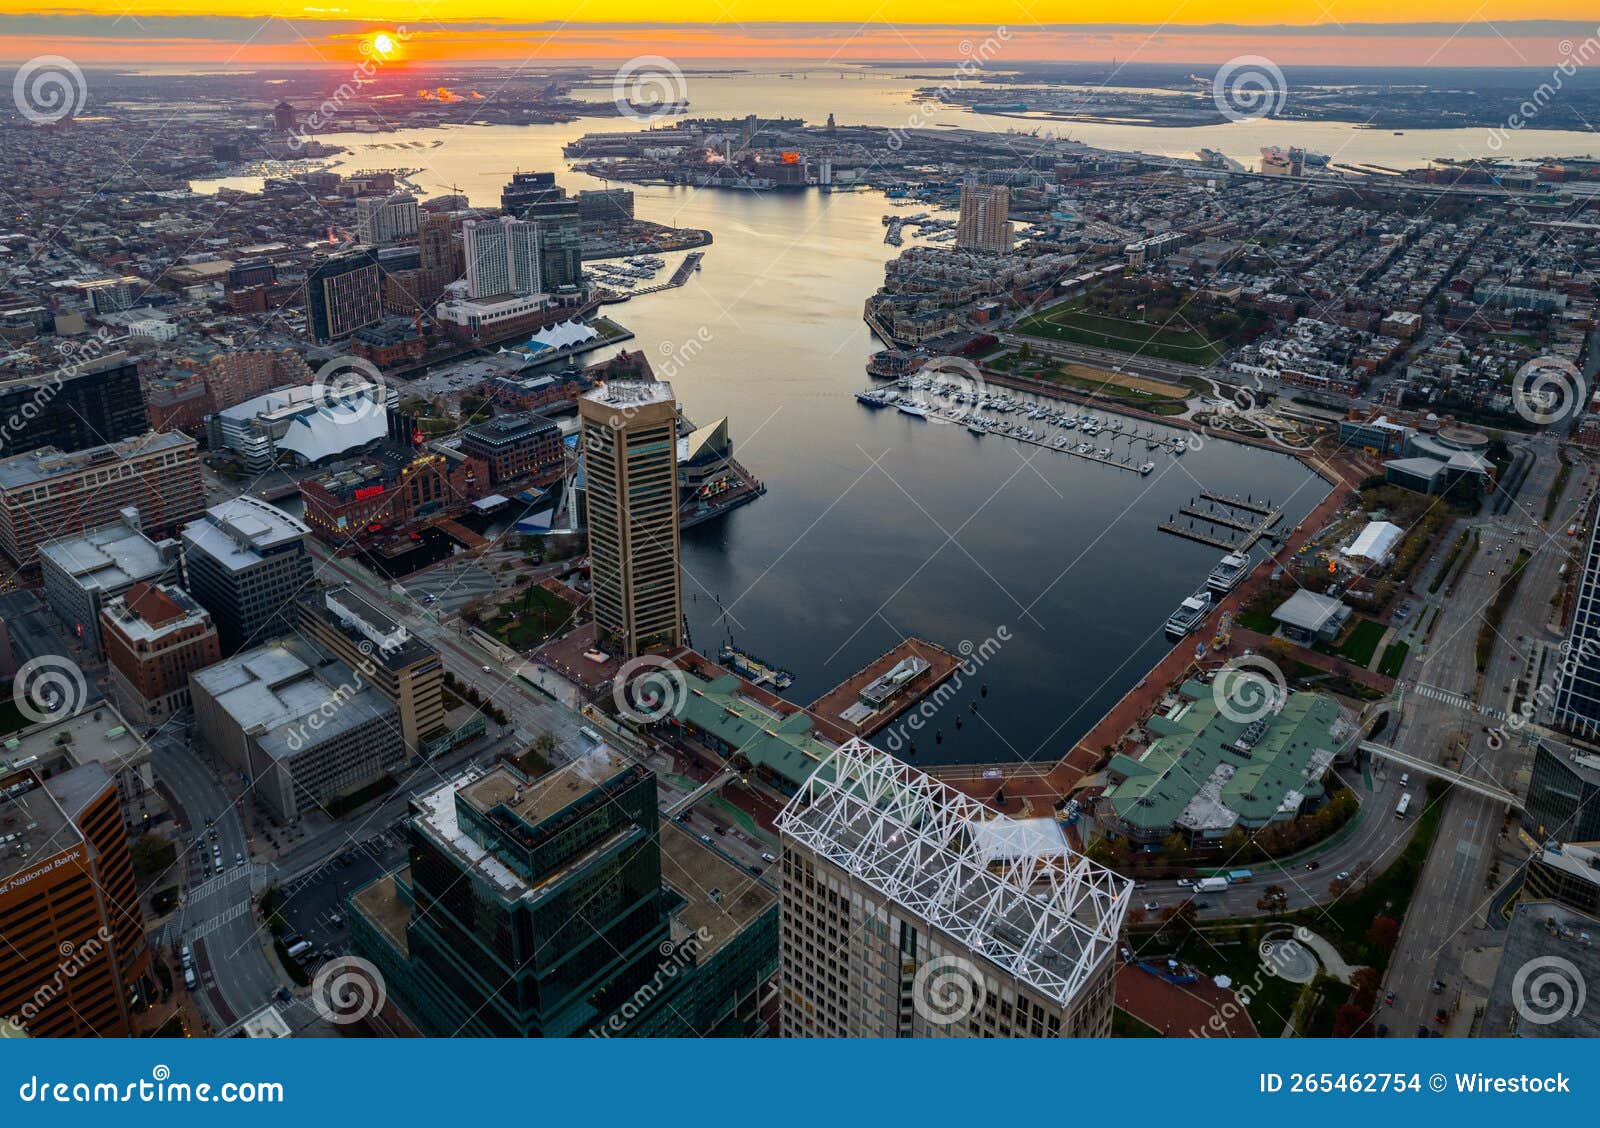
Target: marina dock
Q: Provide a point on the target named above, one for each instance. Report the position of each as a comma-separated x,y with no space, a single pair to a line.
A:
1224,512
872,697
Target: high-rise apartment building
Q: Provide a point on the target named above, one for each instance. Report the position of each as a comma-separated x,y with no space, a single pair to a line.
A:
502,257
911,910
81,405
629,444
75,948
386,219
247,562
985,223
343,293
155,636
559,906
560,236
528,189
47,495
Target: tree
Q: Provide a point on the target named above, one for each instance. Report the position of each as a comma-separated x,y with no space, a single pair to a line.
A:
1172,846
1364,983
151,855
1350,1021
1234,842
1384,933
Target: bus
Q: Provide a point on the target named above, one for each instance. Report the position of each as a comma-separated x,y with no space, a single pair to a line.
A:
1403,806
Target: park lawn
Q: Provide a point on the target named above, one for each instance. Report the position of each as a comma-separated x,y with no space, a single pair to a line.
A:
1149,338
530,618
1394,657
1124,1025
1362,642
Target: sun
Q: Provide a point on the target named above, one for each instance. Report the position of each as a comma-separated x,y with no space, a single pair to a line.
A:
381,45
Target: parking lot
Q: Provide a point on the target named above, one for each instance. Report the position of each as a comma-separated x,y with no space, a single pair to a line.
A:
314,902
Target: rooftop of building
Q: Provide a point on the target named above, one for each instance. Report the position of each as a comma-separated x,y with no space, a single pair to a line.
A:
1584,762
721,900
1578,859
365,622
42,465
386,910
147,613
33,827
280,693
1048,917
110,558
238,531
1308,610
97,734
630,393
783,745
1550,954
1205,771
503,428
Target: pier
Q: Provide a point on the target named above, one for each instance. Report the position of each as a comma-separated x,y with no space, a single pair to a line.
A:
1224,514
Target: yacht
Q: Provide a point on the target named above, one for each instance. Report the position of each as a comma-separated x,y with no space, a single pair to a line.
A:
1228,572
871,399
1190,614
915,409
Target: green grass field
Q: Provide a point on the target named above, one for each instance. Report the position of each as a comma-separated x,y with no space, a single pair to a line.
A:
1146,338
1362,643
1394,657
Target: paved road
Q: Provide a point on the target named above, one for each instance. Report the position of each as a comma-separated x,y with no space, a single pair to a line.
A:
1453,894
236,975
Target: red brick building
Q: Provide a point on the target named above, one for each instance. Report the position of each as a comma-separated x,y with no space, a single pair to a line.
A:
155,637
382,496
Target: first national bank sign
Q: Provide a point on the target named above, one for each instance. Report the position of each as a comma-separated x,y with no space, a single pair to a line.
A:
19,881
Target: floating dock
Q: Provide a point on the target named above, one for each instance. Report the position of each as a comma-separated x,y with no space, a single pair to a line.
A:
1224,514
868,700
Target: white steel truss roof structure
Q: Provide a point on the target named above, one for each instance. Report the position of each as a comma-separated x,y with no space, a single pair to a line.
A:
1047,917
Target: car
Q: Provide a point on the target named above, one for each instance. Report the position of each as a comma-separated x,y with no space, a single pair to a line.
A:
1441,1016
768,858
1342,875
238,858
1202,904
755,870
487,670
1424,1032
1313,865
1151,906
1389,998
720,829
1382,1031
706,838
1405,779
1184,883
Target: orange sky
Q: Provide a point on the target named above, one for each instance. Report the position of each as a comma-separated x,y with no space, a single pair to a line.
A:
253,33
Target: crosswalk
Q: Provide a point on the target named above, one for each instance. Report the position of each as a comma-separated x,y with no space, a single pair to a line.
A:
220,881
1456,700
211,924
